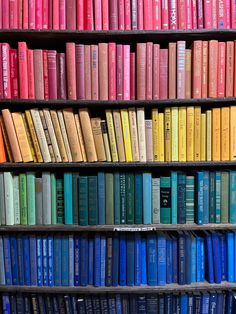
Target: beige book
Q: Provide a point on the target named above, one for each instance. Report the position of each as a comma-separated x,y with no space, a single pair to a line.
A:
197,133
233,133
64,134
48,139
87,135
22,137
203,137
29,137
98,139
6,140
72,134
208,135
119,134
80,135
105,140
190,133
188,74
134,133
148,135
112,137
141,134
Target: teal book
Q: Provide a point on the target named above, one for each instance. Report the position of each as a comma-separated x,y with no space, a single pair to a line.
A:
174,199
47,210
53,198
156,200
109,198
138,200
199,197
190,199
206,197
122,199
75,196
130,198
68,198
93,200
147,198
232,197
165,199
101,199
83,200
218,198
60,200
117,198
181,196
224,204
23,199
212,199
30,179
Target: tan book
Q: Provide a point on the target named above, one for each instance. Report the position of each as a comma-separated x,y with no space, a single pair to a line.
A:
47,136
155,131
148,134
233,133
134,133
190,133
168,143
208,135
80,135
119,134
203,137
29,137
64,134
72,135
188,73
58,135
11,134
112,137
6,140
98,139
87,135
225,126
141,134
105,140
216,130
197,133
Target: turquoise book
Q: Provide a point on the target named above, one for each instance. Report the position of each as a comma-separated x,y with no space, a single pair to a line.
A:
147,198
116,198
68,198
232,197
174,199
212,200
30,179
218,198
93,200
165,199
199,197
83,200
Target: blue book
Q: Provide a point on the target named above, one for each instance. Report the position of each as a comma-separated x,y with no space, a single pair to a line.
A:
20,252
174,199
97,260
7,259
216,257
188,259
202,265
39,260
161,259
130,259
200,201
33,259
218,197
71,260
161,304
212,201
42,308
232,197
229,303
151,260
184,304
57,261
144,261
64,261
101,199
103,260
213,303
77,253
84,260
90,261
96,304
190,304
116,178
118,304
68,198
220,303
115,260
14,260
147,198
74,304
206,183
123,260
198,242
234,257
209,252
138,200
81,305
205,303
152,303
13,304
182,259
6,305
165,200
193,259
27,271
50,262
231,262
137,259
168,304
45,261
169,260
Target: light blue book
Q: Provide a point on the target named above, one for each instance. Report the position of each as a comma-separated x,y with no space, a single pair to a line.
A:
174,199
218,197
184,303
68,199
230,248
232,197
155,200
147,198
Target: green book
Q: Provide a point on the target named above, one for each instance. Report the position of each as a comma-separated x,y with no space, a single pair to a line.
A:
53,198
165,200
83,200
60,201
122,199
212,198
16,199
93,200
30,178
75,198
117,198
109,198
224,197
23,199
130,198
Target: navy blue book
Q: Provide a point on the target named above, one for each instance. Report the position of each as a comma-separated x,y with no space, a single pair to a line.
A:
137,259
175,258
77,260
101,199
216,257
97,260
152,303
20,252
141,304
161,304
130,259
96,304
220,303
169,304
26,247
181,198
33,259
182,259
151,259
184,304
103,259
161,259
174,303
6,305
45,260
20,304
49,305
81,305
14,261
111,304
205,303
27,305
229,303
104,304
115,260
132,304
39,261
118,304
188,259
122,259
68,304
7,259
61,304
209,252
74,304
213,303
84,260
169,260
50,261
91,259
13,304
223,249
35,304
55,305
64,261
109,261
57,265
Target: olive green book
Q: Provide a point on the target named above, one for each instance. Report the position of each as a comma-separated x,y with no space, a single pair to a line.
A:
109,198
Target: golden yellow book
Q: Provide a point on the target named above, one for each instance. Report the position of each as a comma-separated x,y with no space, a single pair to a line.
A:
155,132
190,133
203,137
161,142
174,133
182,133
216,136
197,133
225,133
232,133
111,134
126,134
208,135
29,137
168,149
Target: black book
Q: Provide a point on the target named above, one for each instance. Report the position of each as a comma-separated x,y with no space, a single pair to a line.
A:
55,305
133,304
104,304
74,305
42,309
81,305
152,303
161,304
34,304
125,304
96,304
27,305
112,304
68,305
168,304
20,304
141,304
61,304
88,305
48,304
13,304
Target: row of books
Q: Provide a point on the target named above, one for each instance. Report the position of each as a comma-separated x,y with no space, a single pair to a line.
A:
117,15
202,303
110,71
117,198
119,135
125,259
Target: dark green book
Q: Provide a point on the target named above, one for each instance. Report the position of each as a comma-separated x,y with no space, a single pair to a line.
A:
60,200
117,198
83,200
93,200
224,197
109,198
212,200
23,199
75,197
165,200
122,199
130,198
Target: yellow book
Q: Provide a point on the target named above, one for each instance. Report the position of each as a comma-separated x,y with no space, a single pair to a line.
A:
216,130
232,133
168,134
161,148
111,134
155,132
126,134
190,133
197,133
203,137
208,135
225,133
174,133
182,133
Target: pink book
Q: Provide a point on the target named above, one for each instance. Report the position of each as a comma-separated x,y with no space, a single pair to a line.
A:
163,92
182,14
105,15
25,14
32,11
55,14
20,14
221,69
221,14
87,72
156,14
23,70
98,14
149,68
134,15
214,13
141,70
208,13
194,14
132,76
1,14
205,69
189,19
1,78
71,14
50,14
38,74
140,14
5,14
89,21
39,14
94,72
80,14
121,14
61,75
112,71
147,13
71,71
14,73
31,80
80,76
119,72
103,70
45,14
197,69
233,14
127,15
113,13
62,14
165,15
181,69
45,74
126,71
228,14
13,9
52,74
173,16
200,14
156,71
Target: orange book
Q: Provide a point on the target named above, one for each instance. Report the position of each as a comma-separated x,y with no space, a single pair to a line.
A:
204,69
225,126
232,133
235,68
172,70
6,140
188,73
229,84
197,69
213,69
216,134
103,70
3,157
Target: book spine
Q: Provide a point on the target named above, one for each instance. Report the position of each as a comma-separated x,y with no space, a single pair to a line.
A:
32,11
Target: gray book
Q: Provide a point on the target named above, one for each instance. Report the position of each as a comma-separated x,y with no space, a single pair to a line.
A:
39,201
156,200
47,202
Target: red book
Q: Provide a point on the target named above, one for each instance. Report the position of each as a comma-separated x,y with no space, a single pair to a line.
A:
197,69
221,14
182,14
112,71
214,13
89,22
80,15
103,70
0,14
5,14
38,74
71,71
134,14
94,72
165,15
156,71
149,68
194,13
213,69
98,14
229,83
31,81
32,11
45,15
52,74
227,14
147,13
221,70
45,74
1,78
71,14
113,14
141,70
62,14
23,70
132,76
173,16
61,83
25,14
13,9
50,14
140,14
126,72
189,19
208,13
80,77
14,73
127,15
55,14
233,14
163,92
181,69
205,69
121,14
87,72
200,14
119,72
39,14
20,14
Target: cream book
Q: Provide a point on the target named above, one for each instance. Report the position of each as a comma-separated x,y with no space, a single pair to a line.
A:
141,134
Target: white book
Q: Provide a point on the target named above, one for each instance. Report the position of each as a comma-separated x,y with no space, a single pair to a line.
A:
141,134
2,201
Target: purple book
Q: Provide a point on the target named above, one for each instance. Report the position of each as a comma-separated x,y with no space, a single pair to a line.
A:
80,81
52,74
